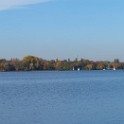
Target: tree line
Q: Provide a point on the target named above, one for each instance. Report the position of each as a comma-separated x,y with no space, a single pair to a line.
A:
33,63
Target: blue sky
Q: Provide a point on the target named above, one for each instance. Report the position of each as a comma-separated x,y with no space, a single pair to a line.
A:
91,29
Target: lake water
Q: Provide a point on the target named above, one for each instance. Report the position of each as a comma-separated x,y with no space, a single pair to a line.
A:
57,97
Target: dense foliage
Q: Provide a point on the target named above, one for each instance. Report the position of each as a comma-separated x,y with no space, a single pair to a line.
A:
32,63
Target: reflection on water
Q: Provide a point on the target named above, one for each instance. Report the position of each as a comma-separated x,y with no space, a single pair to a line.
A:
85,97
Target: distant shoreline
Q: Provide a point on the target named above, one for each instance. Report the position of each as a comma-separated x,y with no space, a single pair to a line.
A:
33,63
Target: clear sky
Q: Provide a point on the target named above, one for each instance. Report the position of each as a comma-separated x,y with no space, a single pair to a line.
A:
91,29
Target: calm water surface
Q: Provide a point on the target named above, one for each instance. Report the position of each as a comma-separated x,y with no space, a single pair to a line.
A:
84,97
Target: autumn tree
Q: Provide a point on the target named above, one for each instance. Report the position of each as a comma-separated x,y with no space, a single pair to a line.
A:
100,66
31,63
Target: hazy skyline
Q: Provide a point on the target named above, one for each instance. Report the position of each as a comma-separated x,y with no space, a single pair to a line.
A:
51,29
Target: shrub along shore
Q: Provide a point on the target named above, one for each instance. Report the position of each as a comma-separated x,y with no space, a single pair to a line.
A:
32,63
